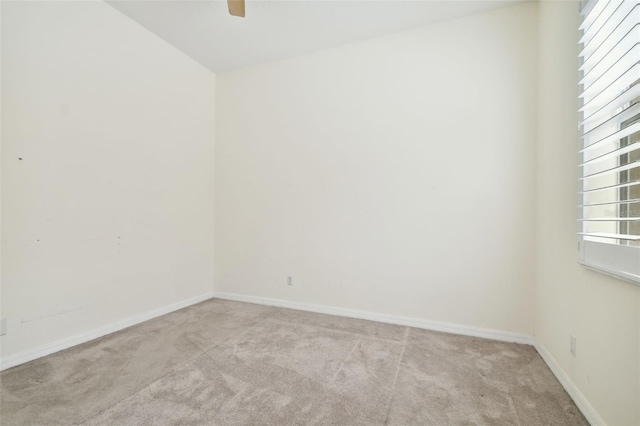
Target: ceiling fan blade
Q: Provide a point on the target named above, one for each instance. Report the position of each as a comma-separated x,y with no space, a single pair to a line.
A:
236,7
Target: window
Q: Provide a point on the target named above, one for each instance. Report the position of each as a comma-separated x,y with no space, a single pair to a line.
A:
609,149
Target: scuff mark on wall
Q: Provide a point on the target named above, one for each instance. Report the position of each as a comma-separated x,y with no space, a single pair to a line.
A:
62,312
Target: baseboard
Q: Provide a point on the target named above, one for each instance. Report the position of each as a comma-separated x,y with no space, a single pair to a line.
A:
587,410
585,407
49,348
484,333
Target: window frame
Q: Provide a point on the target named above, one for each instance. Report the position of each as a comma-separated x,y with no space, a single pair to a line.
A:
614,259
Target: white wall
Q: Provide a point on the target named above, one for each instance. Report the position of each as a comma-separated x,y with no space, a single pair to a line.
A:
394,175
1,169
602,312
109,214
332,167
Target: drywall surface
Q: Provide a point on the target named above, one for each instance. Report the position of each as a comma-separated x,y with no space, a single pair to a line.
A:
107,172
393,176
0,168
603,313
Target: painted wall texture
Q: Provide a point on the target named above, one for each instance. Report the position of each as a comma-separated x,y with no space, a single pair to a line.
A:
107,171
394,176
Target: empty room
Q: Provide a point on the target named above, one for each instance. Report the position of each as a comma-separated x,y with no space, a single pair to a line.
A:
320,212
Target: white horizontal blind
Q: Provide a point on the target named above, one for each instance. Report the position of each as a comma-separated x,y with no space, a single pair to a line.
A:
609,151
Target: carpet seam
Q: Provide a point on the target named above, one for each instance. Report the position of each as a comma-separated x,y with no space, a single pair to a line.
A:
395,379
347,332
204,352
513,409
241,333
344,361
322,408
143,388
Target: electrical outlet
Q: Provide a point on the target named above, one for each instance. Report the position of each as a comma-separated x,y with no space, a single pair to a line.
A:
3,326
289,280
572,345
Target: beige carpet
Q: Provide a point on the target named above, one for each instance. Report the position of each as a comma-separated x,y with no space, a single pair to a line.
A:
230,363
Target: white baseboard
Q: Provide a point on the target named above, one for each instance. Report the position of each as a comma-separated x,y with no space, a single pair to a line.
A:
587,409
583,405
505,336
49,348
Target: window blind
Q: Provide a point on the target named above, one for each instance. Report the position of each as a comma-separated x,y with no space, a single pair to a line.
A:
609,148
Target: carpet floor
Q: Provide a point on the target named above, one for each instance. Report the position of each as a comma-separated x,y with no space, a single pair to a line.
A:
230,363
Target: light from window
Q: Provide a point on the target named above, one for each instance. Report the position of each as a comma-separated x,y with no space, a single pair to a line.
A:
609,149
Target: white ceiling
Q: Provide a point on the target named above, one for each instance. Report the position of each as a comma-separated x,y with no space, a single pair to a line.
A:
276,29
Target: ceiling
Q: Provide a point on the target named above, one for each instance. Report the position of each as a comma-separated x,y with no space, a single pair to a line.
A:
276,29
